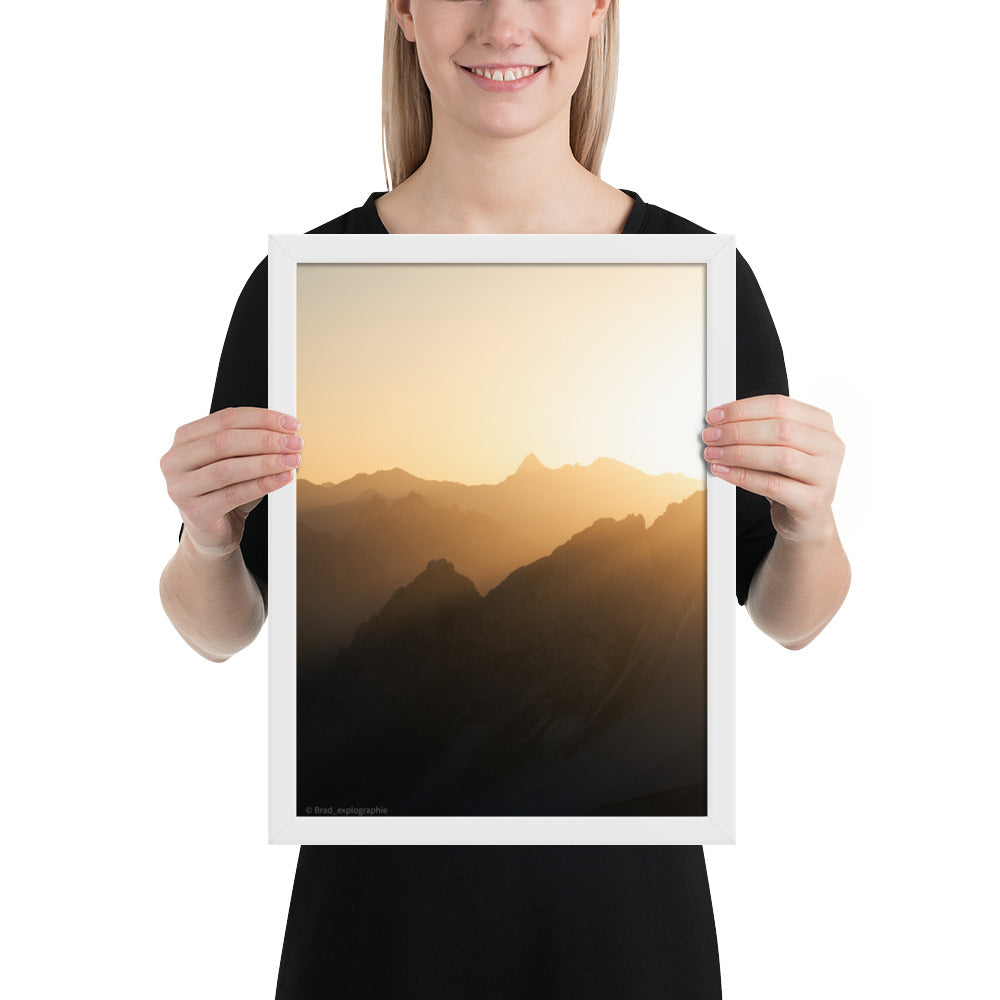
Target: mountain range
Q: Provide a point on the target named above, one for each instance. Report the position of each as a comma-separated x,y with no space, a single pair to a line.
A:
570,682
361,539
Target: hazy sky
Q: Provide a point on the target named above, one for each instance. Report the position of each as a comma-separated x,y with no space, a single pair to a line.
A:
457,371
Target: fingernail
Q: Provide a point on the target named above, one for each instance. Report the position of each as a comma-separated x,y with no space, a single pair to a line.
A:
721,468
711,433
291,441
289,422
711,453
714,416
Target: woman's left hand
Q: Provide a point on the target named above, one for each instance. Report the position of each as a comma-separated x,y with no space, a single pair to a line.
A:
784,450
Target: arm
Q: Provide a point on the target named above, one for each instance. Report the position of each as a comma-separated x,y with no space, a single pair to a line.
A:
787,451
799,587
214,588
214,602
218,472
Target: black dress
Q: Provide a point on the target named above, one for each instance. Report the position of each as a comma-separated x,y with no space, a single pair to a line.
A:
503,922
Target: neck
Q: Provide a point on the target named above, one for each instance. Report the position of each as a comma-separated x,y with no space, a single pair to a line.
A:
477,183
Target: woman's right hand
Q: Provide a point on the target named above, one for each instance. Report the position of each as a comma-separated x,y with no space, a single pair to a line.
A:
221,466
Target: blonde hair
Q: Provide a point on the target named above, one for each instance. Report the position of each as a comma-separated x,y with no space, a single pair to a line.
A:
406,101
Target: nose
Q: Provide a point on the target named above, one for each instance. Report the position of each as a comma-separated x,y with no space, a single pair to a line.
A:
504,23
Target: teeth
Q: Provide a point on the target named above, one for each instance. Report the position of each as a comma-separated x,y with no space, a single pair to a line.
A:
511,74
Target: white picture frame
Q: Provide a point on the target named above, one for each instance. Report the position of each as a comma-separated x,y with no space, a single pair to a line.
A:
287,254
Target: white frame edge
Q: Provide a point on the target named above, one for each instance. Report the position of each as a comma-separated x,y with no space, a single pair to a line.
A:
718,252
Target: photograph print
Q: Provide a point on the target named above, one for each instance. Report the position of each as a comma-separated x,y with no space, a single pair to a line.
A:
500,524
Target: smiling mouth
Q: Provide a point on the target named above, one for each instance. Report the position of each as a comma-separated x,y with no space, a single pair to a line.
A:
505,75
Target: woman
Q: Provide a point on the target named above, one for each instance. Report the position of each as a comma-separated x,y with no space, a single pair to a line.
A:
518,152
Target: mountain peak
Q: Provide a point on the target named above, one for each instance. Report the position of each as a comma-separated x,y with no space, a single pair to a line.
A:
530,464
438,590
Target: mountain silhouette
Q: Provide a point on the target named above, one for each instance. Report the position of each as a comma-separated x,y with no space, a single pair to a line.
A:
361,539
373,546
536,502
530,464
574,686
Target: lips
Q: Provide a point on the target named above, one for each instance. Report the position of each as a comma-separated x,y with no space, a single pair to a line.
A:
488,83
492,72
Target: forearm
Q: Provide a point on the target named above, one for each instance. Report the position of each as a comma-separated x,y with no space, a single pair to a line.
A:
798,588
214,603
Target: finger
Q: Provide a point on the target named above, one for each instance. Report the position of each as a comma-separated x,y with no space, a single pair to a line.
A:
226,444
230,472
208,509
784,433
794,495
788,462
233,417
775,407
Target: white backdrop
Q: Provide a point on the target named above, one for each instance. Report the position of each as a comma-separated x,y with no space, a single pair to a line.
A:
151,149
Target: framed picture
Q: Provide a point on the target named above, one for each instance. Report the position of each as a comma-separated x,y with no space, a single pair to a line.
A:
501,586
